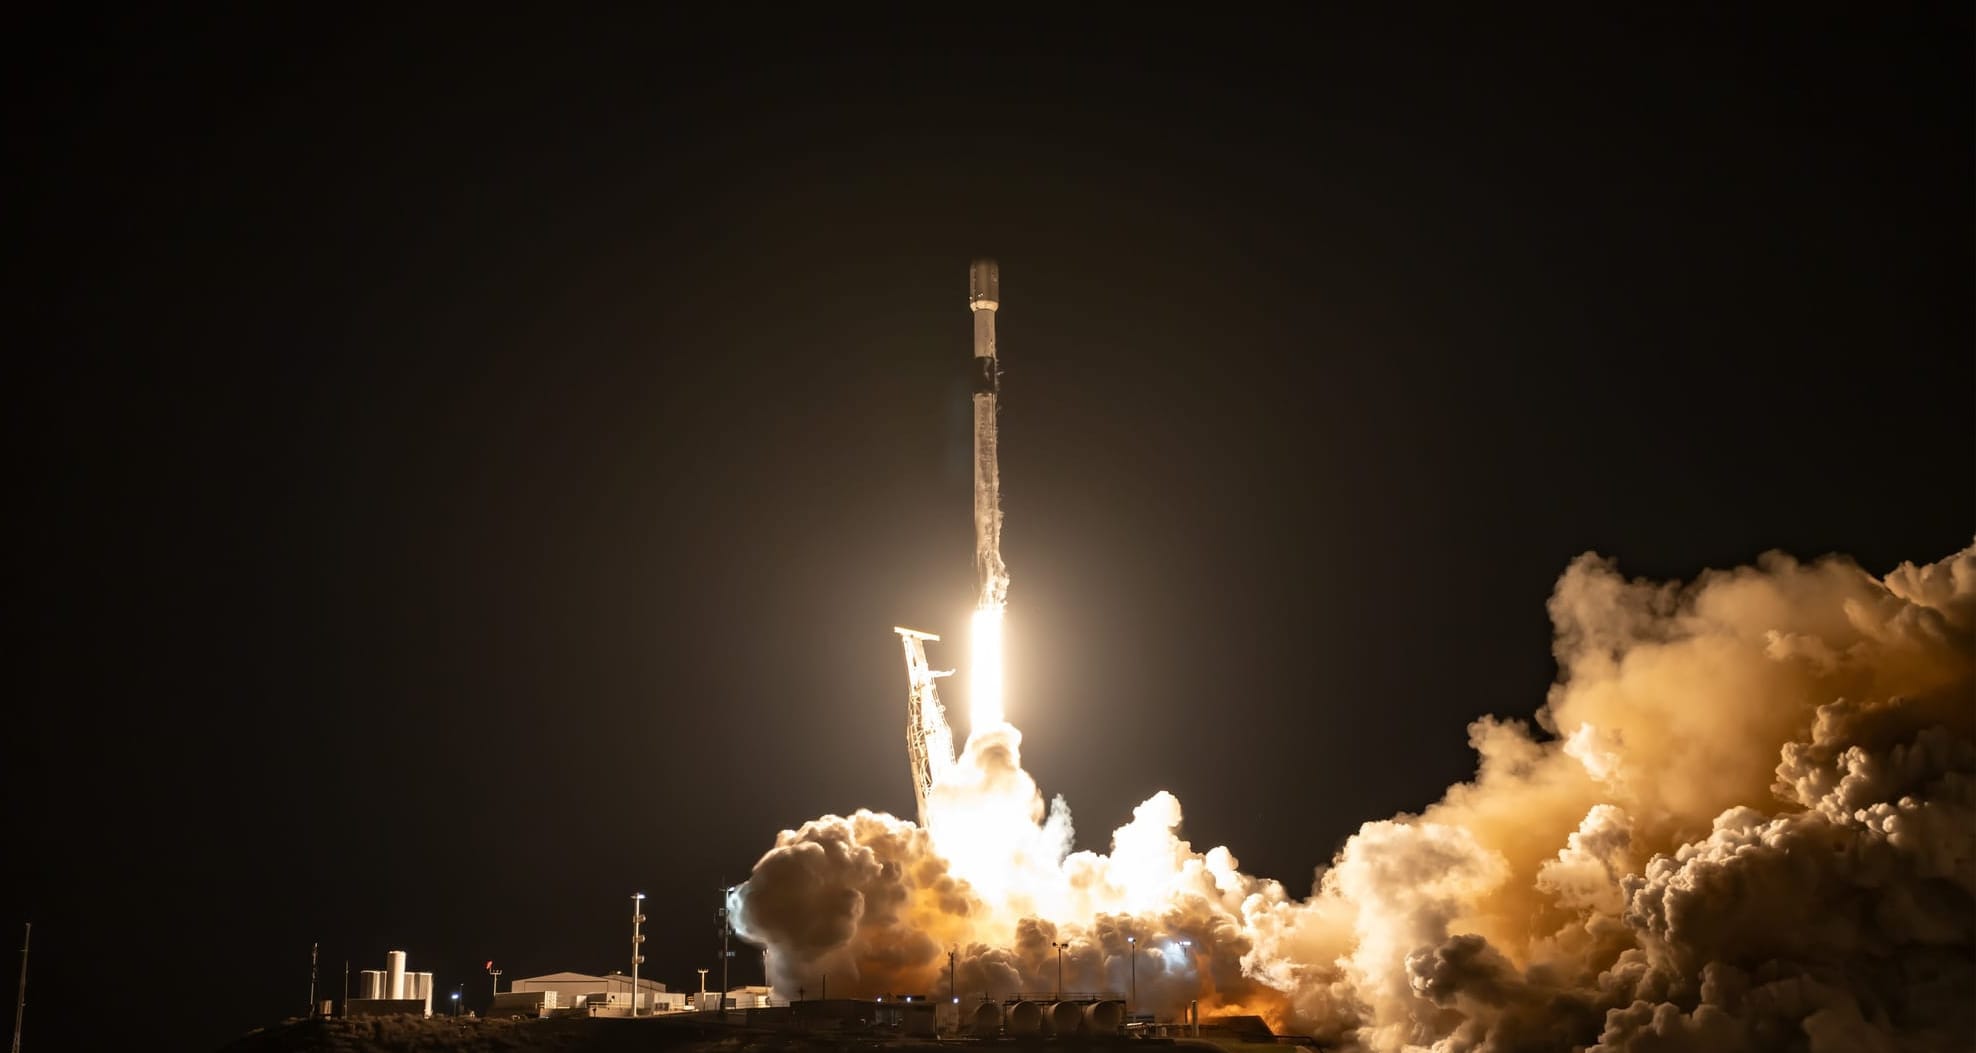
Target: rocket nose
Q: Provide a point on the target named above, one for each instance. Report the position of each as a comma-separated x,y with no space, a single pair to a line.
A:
984,283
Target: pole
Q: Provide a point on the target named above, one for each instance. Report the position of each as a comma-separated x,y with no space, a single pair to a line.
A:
637,945
315,949
20,1000
725,957
1059,946
1193,1005
1130,999
346,987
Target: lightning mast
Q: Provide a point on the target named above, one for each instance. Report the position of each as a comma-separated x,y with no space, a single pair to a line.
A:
20,1001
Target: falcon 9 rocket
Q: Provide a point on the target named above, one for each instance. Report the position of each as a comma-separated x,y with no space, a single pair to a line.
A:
929,740
984,296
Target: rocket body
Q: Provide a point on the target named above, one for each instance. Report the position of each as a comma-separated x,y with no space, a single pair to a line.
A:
983,298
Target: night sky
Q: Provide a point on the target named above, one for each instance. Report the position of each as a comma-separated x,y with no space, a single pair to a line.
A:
465,471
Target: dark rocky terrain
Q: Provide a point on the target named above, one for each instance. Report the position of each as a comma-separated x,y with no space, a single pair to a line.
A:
605,1035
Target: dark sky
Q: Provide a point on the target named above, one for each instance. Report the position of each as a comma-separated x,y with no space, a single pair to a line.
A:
464,471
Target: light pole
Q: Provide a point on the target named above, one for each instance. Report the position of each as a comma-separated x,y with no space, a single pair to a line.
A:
496,992
1132,943
1193,1005
1059,945
726,926
702,1004
456,1001
637,944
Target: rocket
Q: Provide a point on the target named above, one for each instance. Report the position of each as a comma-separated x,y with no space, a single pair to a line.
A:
929,738
984,295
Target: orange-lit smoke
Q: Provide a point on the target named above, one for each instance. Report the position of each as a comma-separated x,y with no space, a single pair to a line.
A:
1746,819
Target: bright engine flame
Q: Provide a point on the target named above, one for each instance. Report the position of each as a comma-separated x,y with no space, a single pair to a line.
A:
985,676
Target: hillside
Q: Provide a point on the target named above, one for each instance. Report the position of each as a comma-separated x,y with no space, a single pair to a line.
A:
687,1034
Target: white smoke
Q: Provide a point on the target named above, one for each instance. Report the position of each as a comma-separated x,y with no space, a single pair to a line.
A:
1746,821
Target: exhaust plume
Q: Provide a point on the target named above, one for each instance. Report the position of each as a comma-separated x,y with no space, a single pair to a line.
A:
1745,820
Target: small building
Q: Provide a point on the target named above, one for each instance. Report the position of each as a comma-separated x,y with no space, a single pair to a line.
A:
611,993
915,1019
521,1005
737,998
750,997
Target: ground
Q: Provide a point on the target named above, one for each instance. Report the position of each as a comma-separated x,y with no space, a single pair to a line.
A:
603,1035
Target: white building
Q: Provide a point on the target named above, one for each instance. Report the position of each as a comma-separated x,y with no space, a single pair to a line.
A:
750,997
612,993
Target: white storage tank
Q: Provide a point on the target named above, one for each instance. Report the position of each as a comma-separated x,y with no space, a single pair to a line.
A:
372,983
985,1021
394,975
1066,1018
1104,1017
1026,1018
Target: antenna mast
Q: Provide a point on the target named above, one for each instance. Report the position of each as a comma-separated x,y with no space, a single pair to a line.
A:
20,1000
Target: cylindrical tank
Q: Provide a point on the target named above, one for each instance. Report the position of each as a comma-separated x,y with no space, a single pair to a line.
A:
394,974
373,983
1066,1018
1027,1018
1105,1017
984,285
985,1021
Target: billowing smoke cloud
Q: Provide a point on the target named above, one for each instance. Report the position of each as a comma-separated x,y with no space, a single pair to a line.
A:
1746,820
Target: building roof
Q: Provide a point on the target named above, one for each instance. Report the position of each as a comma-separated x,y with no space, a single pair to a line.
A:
609,979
